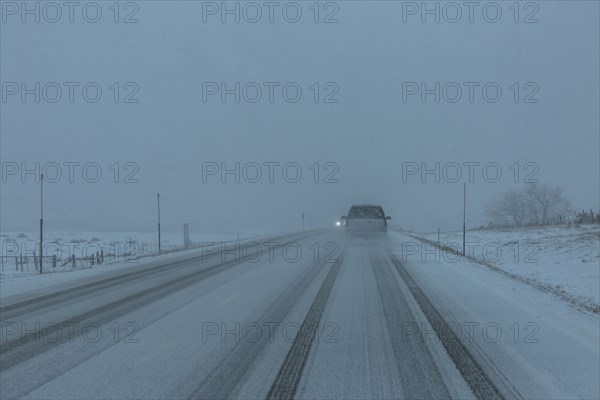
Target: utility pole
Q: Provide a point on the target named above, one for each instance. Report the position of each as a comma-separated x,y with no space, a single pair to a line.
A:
41,219
464,215
158,201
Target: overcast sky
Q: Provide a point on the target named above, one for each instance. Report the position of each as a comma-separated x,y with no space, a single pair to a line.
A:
359,123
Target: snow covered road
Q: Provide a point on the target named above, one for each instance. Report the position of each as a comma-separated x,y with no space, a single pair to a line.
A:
308,315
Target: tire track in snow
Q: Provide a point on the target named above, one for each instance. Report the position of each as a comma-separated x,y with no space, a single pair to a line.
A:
419,374
288,377
34,343
479,382
54,299
225,377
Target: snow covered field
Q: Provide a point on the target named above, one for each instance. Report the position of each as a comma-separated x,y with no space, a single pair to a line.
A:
561,258
122,250
63,244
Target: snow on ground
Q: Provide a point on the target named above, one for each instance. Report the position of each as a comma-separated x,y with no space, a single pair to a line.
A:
564,259
536,343
16,282
533,343
174,351
117,247
65,243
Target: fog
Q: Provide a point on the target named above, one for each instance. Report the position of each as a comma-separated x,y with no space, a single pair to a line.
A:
361,134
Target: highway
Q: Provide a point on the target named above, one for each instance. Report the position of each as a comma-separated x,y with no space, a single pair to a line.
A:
307,315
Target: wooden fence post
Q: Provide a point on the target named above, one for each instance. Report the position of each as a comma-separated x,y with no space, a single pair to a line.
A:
54,261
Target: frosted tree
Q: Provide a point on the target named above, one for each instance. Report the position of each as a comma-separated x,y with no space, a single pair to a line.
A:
532,205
